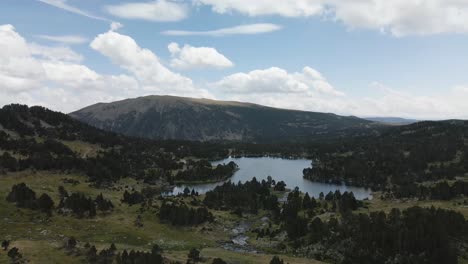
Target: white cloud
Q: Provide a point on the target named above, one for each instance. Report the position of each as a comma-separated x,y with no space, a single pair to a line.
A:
405,17
50,76
398,17
54,53
142,63
392,102
115,26
188,57
62,4
67,39
160,10
19,70
276,80
310,91
249,29
81,77
53,76
287,8
307,90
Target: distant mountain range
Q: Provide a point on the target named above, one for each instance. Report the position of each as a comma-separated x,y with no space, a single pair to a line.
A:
169,117
392,120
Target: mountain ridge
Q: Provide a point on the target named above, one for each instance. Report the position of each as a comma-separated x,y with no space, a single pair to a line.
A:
170,117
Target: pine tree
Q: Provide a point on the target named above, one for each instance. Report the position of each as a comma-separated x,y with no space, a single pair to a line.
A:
5,244
276,260
45,203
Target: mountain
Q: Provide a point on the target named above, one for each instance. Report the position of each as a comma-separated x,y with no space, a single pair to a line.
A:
168,117
392,120
35,138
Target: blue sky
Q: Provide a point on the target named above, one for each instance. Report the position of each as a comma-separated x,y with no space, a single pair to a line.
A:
368,57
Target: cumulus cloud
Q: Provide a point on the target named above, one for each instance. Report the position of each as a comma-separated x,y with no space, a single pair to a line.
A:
142,63
160,10
19,70
66,39
309,90
250,29
306,90
53,76
277,80
398,17
188,57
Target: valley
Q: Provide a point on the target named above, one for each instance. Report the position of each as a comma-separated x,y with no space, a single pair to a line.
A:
74,193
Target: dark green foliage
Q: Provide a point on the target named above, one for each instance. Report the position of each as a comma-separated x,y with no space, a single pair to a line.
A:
416,235
45,203
79,205
5,244
194,256
91,255
8,162
218,261
280,186
424,151
139,257
250,196
23,196
133,198
179,214
82,206
71,243
276,260
298,225
62,192
103,204
203,171
439,191
15,255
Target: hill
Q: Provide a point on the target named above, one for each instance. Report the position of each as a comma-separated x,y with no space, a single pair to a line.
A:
399,156
168,117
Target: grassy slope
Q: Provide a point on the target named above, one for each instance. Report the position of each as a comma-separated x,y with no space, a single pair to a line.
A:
378,204
26,225
40,239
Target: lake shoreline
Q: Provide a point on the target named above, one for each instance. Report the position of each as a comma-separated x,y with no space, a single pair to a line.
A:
280,169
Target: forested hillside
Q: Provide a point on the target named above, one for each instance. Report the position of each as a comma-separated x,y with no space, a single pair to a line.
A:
425,151
40,139
168,117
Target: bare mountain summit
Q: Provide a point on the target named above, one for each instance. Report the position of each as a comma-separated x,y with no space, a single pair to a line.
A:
169,117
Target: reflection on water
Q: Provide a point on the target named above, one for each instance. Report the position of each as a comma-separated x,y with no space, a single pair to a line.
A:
289,171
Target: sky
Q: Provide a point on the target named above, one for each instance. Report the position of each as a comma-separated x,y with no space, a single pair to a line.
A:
399,58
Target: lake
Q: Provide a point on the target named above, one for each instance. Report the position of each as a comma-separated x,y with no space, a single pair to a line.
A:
289,171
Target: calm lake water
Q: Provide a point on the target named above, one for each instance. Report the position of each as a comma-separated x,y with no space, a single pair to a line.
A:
289,171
